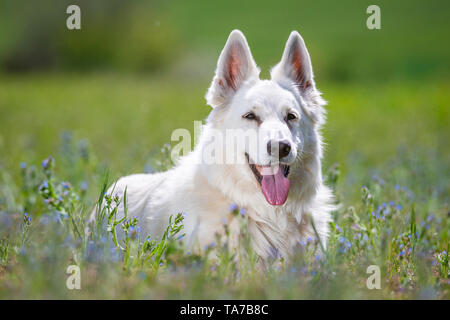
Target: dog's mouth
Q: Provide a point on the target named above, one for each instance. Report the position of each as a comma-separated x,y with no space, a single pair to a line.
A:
273,180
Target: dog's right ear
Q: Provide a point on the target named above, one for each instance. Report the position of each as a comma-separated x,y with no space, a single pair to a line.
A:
235,66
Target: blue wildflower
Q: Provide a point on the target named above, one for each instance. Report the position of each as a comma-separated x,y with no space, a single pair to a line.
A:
397,187
242,211
26,218
46,162
65,185
84,185
232,207
399,207
23,165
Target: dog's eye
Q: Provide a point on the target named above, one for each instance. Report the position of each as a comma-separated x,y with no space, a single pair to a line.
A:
291,116
249,116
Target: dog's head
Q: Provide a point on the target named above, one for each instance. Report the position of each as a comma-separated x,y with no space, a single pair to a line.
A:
284,112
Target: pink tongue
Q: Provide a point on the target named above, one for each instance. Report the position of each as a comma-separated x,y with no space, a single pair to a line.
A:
275,185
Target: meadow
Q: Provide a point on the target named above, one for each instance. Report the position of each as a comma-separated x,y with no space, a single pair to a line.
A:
68,131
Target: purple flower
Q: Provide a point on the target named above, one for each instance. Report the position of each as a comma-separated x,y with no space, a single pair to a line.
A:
84,185
23,165
46,162
232,207
242,211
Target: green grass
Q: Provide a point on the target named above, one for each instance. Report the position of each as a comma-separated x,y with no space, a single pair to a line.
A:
113,93
389,141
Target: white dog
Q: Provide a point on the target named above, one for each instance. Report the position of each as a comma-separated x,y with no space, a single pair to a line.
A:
277,179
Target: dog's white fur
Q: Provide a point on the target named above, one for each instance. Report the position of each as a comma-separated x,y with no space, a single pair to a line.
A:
204,192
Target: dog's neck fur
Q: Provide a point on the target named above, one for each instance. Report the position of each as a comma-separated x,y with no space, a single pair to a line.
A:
237,183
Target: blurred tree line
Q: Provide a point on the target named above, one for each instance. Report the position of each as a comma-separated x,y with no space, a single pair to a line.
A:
124,35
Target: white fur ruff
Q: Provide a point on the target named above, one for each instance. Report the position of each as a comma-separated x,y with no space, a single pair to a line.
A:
204,192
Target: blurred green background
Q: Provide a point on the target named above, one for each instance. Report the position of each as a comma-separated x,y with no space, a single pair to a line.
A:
139,69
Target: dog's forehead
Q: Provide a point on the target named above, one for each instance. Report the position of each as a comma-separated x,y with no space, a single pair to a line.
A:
267,93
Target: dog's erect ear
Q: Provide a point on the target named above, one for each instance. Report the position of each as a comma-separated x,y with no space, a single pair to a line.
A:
235,66
295,65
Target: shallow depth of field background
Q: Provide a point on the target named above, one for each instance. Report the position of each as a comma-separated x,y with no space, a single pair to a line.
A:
138,70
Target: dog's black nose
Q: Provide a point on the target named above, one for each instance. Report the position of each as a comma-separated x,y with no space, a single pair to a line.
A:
284,147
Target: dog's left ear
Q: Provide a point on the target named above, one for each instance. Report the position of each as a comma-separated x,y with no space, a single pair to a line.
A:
235,66
295,65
